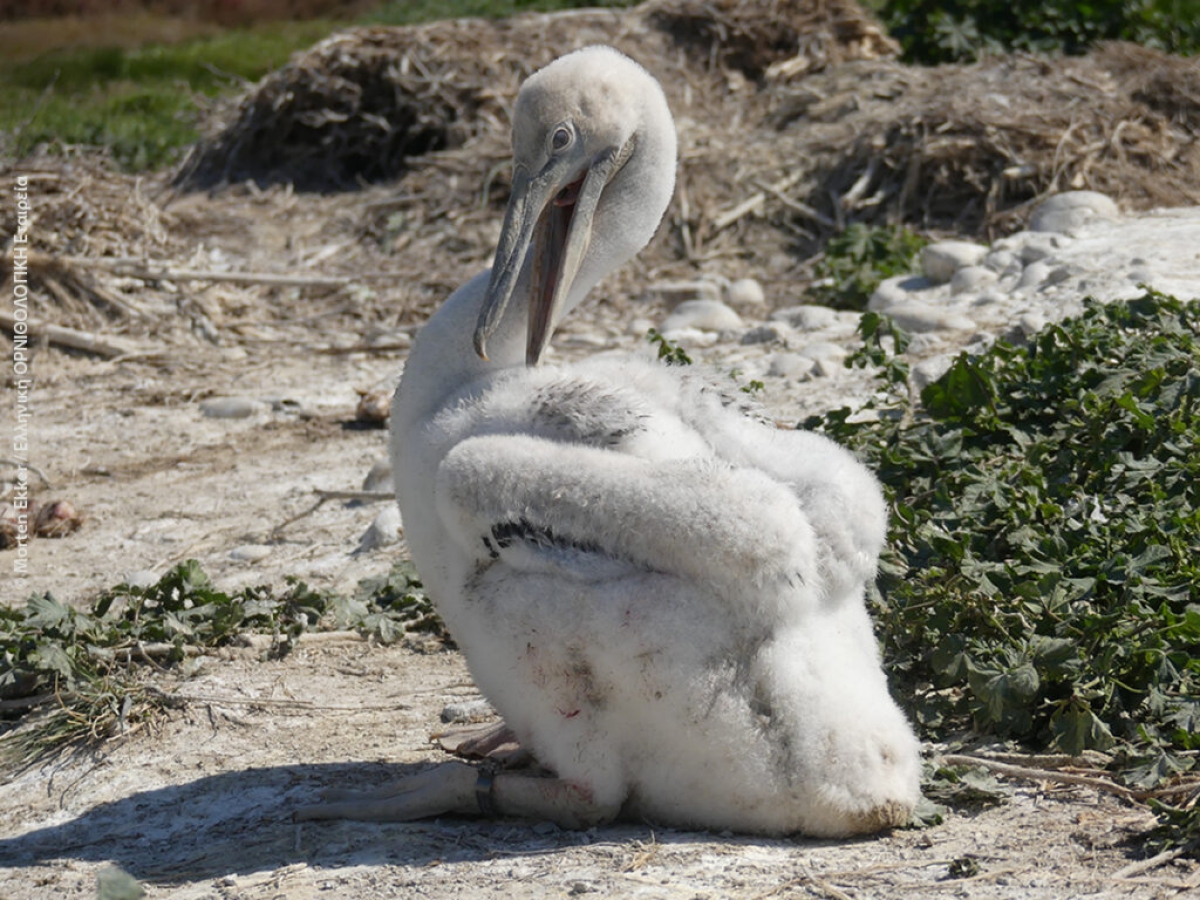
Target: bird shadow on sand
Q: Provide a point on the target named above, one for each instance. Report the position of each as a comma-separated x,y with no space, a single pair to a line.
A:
240,822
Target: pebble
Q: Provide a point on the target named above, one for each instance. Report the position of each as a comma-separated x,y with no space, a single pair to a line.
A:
1034,275
250,553
927,371
897,289
232,407
467,712
791,365
379,478
941,260
702,315
806,318
141,578
1002,261
971,278
384,531
917,316
824,350
768,333
1037,248
746,293
827,368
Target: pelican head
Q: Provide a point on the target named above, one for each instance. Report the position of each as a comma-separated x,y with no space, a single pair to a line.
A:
593,172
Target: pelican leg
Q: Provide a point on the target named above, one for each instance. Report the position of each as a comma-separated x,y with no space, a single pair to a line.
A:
493,741
461,789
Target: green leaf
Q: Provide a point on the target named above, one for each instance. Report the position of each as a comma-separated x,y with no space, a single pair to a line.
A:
1076,728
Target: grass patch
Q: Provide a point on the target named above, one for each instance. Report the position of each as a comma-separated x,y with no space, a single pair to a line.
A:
1041,582
143,104
77,676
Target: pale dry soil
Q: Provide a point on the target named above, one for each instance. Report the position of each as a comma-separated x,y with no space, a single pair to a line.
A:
198,807
198,804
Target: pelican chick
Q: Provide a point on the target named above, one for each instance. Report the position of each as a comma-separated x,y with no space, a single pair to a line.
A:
663,598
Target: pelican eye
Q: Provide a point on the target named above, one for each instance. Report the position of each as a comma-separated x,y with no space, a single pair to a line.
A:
560,139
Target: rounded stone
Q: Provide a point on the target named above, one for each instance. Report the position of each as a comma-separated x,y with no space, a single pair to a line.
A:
971,278
941,260
379,478
806,318
142,578
927,371
702,315
897,289
1000,261
250,553
1034,276
824,350
746,293
915,316
1036,249
791,366
384,531
231,407
1068,211
768,333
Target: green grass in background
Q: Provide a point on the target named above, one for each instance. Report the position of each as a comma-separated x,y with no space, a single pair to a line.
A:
144,103
141,103
411,12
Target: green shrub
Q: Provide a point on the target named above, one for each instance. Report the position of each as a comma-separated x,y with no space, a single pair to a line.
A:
934,31
1043,581
858,259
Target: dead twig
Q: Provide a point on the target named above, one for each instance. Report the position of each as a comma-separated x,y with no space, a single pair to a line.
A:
87,342
1054,774
1138,868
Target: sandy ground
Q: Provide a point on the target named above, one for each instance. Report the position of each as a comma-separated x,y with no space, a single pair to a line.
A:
198,807
199,804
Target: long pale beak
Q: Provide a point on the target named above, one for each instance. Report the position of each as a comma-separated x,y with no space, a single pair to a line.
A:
552,214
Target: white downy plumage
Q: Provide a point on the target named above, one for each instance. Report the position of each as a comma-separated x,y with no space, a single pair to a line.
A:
662,596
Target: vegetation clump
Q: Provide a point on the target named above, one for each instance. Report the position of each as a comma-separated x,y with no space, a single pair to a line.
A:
936,31
858,259
1043,581
79,672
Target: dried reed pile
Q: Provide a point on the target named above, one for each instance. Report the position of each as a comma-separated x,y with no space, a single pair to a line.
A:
967,148
82,209
362,104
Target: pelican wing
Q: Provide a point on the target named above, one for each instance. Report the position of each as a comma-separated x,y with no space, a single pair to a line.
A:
699,519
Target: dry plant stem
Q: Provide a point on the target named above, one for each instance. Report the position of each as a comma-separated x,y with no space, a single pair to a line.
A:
364,496
1052,773
326,496
109,347
1145,865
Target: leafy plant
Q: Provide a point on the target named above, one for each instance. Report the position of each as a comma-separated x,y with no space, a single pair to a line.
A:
78,674
858,259
1043,581
933,31
670,353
